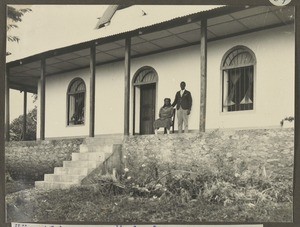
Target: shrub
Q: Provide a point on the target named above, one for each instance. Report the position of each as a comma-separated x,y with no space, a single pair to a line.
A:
16,127
290,119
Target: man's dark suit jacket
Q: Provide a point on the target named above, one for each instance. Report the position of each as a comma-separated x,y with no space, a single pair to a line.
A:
185,101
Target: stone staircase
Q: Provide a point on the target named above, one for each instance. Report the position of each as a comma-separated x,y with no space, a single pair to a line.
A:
93,152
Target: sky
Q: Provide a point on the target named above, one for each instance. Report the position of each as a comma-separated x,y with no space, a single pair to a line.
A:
49,27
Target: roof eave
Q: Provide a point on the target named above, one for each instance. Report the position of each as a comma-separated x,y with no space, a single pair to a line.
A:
144,30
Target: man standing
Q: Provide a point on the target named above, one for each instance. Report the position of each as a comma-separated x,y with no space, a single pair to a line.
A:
183,100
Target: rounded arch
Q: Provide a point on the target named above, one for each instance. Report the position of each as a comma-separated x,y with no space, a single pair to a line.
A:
238,56
76,94
144,83
77,85
145,75
238,68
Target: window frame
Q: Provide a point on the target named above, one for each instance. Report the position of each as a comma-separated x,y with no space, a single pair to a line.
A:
224,69
68,95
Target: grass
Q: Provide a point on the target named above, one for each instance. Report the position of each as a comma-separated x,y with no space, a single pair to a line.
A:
15,186
183,199
234,188
89,203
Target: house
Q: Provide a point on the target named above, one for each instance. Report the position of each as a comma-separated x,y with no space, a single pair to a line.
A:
237,62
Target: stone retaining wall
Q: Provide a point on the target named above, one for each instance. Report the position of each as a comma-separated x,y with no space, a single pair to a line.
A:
30,160
270,151
112,165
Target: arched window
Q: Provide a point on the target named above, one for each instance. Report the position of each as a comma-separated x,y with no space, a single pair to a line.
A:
238,79
145,75
76,102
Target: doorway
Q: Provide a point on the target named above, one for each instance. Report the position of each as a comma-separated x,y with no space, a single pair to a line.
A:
147,108
144,100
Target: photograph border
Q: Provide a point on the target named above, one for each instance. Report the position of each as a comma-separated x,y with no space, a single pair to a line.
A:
296,188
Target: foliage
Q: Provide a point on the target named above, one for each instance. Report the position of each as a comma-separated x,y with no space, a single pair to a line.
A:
216,201
226,186
34,97
14,15
15,186
108,183
290,119
16,127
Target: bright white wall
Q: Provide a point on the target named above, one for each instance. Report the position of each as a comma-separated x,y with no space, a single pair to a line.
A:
109,104
56,106
173,67
274,86
274,80
109,107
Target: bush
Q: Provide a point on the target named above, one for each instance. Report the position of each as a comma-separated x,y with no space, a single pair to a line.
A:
231,181
16,127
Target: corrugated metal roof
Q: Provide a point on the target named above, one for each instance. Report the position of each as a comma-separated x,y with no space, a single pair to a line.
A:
132,18
51,27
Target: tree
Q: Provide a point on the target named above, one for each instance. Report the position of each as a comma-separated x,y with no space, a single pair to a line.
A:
16,127
13,16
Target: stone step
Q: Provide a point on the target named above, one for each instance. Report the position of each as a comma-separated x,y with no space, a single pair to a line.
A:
55,185
84,148
72,170
81,164
63,178
105,140
88,156
92,154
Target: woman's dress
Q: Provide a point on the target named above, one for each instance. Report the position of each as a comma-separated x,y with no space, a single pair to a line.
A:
165,118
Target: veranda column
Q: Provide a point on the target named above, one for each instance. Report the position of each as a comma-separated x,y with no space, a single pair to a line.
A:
42,99
203,79
24,115
127,85
7,112
92,90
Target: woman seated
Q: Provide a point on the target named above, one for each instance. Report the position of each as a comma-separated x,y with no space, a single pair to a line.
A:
165,116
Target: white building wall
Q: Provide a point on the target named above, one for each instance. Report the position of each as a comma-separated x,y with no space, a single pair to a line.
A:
56,106
109,104
173,67
109,101
274,86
